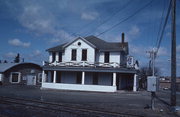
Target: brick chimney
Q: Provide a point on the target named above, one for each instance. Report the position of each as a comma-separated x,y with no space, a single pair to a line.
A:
122,37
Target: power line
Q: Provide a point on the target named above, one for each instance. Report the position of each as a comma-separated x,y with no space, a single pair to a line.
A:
125,18
86,25
165,23
114,14
158,34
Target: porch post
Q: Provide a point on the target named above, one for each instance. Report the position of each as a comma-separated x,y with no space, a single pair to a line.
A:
114,79
54,78
83,78
135,80
43,76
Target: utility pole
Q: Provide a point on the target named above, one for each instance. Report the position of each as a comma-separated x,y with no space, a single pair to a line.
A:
173,55
152,57
153,61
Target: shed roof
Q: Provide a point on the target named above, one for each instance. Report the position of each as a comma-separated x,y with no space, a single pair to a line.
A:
6,66
100,44
90,69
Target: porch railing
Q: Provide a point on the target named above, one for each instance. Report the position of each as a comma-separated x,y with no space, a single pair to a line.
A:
83,64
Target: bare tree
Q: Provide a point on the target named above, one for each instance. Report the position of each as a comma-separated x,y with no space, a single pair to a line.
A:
17,58
144,73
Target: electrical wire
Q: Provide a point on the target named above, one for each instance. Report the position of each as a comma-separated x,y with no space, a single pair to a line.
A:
164,26
135,13
88,24
158,34
114,14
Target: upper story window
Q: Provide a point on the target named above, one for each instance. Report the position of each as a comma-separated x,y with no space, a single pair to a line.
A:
73,54
60,57
79,43
84,54
106,57
53,56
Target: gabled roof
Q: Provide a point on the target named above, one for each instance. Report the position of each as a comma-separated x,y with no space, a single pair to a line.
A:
96,43
81,38
6,66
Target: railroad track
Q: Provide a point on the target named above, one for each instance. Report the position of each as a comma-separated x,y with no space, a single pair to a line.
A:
59,107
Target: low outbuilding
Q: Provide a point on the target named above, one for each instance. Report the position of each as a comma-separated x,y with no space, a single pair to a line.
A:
20,73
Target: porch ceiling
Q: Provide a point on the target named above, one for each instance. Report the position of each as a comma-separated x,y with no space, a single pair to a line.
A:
90,69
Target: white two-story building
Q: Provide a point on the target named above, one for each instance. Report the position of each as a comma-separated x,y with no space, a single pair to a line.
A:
90,64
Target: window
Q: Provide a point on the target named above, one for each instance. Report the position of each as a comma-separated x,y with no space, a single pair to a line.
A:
84,55
60,57
79,43
73,55
53,56
106,57
15,77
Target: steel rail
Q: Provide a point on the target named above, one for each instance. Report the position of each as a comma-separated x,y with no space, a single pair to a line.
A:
62,107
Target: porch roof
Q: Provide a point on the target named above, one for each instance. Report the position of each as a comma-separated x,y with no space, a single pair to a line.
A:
90,69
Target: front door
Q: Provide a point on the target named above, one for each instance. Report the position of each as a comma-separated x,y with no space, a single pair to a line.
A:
31,80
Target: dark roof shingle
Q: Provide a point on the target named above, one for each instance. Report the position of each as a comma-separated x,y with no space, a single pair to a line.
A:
56,48
106,46
100,44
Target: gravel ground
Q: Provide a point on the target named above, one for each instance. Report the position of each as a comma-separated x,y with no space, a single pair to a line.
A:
121,101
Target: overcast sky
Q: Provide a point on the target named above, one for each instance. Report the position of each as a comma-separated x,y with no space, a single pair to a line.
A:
29,27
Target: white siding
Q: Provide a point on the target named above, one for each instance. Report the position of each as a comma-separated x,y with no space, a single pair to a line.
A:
113,57
91,55
79,87
1,77
50,57
101,57
57,56
90,51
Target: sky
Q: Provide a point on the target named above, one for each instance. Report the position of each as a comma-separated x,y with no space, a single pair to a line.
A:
29,27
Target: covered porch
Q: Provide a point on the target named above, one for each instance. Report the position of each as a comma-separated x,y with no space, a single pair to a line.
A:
88,79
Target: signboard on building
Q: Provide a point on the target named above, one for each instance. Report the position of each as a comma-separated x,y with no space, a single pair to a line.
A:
130,61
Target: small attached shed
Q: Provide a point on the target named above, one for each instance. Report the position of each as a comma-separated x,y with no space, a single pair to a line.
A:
20,73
